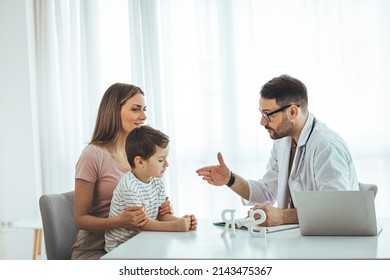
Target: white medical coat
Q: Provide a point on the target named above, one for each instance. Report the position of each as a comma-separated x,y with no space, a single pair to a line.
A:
322,162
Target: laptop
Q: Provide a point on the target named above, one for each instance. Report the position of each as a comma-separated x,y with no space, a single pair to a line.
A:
348,213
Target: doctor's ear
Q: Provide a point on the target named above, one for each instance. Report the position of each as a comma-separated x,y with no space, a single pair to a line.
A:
293,110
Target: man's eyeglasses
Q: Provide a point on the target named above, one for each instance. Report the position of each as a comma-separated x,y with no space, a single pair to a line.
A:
267,115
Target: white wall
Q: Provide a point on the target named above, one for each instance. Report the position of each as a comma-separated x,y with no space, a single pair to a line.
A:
18,195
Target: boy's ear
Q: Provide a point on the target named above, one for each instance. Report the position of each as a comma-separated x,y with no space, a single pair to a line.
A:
138,161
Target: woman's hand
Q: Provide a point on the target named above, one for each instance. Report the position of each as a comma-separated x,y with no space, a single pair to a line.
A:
134,217
165,208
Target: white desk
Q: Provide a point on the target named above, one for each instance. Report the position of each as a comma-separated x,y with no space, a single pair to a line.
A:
206,243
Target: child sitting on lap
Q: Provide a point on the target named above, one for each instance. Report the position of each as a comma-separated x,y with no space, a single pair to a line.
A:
147,151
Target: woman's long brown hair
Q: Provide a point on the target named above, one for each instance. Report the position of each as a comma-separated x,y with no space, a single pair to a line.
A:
108,121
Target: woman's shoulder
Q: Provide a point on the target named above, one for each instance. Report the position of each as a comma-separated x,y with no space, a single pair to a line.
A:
93,154
92,150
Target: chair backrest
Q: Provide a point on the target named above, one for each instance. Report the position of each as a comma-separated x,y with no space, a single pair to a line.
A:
58,224
368,187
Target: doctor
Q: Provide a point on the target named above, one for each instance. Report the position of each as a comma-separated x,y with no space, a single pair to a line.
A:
306,155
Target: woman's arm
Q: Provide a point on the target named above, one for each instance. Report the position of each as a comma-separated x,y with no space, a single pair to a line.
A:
83,198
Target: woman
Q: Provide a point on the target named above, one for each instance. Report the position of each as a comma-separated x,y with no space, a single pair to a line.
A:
102,163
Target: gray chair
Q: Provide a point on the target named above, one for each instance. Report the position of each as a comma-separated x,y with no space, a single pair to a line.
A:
59,228
368,187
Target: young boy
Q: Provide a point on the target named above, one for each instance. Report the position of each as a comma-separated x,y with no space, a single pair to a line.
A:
147,151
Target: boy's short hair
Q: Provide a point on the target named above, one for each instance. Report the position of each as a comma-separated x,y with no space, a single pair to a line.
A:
143,141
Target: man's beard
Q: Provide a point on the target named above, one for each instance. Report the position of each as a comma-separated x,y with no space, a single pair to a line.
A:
283,130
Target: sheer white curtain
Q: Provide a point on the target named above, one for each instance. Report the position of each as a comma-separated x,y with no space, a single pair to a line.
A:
214,57
202,63
67,75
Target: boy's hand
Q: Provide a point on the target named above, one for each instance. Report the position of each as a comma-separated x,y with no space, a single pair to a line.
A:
194,222
183,224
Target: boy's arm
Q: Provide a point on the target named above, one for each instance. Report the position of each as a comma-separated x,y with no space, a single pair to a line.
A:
179,224
167,217
170,217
